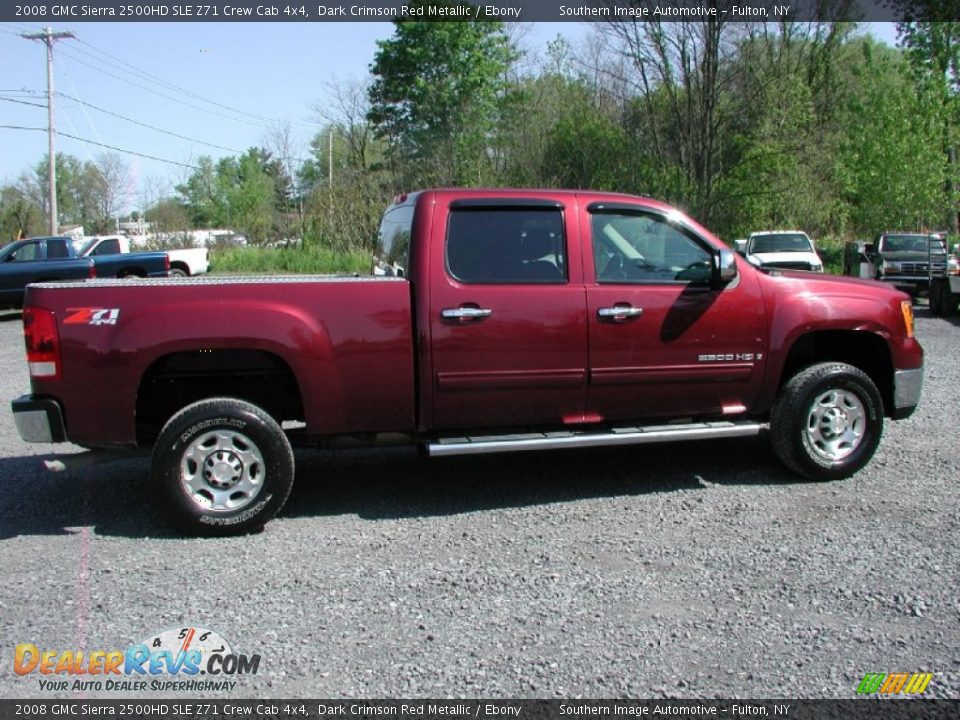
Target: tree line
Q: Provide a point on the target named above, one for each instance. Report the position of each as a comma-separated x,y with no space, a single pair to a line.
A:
746,126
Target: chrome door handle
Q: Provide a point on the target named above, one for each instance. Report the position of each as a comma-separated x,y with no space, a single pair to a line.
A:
465,313
619,312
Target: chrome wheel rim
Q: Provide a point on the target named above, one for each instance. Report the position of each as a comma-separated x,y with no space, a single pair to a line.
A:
222,471
836,425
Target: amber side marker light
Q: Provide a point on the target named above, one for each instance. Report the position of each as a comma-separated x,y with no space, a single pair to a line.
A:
906,307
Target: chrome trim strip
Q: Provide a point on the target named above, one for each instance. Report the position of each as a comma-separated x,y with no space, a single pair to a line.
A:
624,436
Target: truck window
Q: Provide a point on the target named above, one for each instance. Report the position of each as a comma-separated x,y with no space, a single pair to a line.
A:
57,249
639,247
904,243
393,242
506,245
108,247
26,253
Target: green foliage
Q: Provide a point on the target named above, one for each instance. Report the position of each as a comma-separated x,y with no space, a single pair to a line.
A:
891,158
931,38
299,261
438,95
249,194
830,249
20,216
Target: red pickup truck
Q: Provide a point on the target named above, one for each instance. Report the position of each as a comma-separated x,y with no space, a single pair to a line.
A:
495,320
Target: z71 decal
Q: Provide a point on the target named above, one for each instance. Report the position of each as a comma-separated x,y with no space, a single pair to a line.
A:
92,316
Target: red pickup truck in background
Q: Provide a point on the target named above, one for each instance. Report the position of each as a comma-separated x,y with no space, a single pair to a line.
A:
496,320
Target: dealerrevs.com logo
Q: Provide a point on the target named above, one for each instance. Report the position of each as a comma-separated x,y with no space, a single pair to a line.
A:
182,659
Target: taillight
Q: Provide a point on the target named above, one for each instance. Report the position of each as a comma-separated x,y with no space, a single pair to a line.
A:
43,342
93,270
166,262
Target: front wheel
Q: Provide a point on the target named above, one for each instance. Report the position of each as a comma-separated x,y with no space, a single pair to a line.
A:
222,467
827,421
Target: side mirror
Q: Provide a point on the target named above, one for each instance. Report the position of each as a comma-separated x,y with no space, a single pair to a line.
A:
724,268
740,246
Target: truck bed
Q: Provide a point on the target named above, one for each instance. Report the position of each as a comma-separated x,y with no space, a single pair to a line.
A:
353,370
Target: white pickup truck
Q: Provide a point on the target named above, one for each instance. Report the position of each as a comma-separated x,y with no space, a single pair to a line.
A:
183,262
781,249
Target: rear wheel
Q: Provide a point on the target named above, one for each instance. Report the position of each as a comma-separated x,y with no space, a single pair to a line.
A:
178,272
222,467
827,421
943,303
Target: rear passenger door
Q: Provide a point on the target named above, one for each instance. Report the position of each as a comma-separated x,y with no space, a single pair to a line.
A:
507,315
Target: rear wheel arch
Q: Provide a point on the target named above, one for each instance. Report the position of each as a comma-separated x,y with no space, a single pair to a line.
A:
174,381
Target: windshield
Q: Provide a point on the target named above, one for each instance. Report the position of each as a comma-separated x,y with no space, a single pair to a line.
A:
904,243
85,248
780,242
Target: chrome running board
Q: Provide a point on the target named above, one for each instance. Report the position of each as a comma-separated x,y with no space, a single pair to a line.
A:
474,445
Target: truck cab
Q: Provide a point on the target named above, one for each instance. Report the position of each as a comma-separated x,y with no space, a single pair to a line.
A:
904,259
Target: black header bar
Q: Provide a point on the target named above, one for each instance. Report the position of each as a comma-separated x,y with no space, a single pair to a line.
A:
68,11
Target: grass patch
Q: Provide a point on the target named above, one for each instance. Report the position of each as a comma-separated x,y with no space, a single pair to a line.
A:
830,250
287,261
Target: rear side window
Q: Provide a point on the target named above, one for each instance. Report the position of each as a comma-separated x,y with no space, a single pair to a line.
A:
57,249
506,245
393,242
108,247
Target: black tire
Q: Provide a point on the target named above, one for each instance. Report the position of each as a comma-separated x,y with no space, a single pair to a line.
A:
222,467
827,421
178,272
946,301
936,298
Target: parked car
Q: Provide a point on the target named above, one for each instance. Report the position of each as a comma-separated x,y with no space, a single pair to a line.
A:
504,320
183,261
42,259
781,249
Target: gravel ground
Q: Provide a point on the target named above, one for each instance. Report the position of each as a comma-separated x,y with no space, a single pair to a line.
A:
693,571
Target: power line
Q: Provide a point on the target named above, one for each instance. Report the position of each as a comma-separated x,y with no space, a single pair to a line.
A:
133,70
109,147
164,95
24,102
142,124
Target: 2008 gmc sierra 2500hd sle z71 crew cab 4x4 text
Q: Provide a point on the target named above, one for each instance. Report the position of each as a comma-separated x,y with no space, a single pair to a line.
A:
497,320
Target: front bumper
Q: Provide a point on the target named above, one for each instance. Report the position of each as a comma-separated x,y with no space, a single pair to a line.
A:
907,385
39,420
906,281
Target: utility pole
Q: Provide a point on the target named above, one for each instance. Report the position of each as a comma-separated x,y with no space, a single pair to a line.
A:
49,37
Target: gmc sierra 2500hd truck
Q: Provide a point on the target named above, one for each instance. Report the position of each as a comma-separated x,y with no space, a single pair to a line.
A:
496,321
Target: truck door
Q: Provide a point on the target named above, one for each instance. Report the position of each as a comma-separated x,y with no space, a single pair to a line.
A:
663,342
507,316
